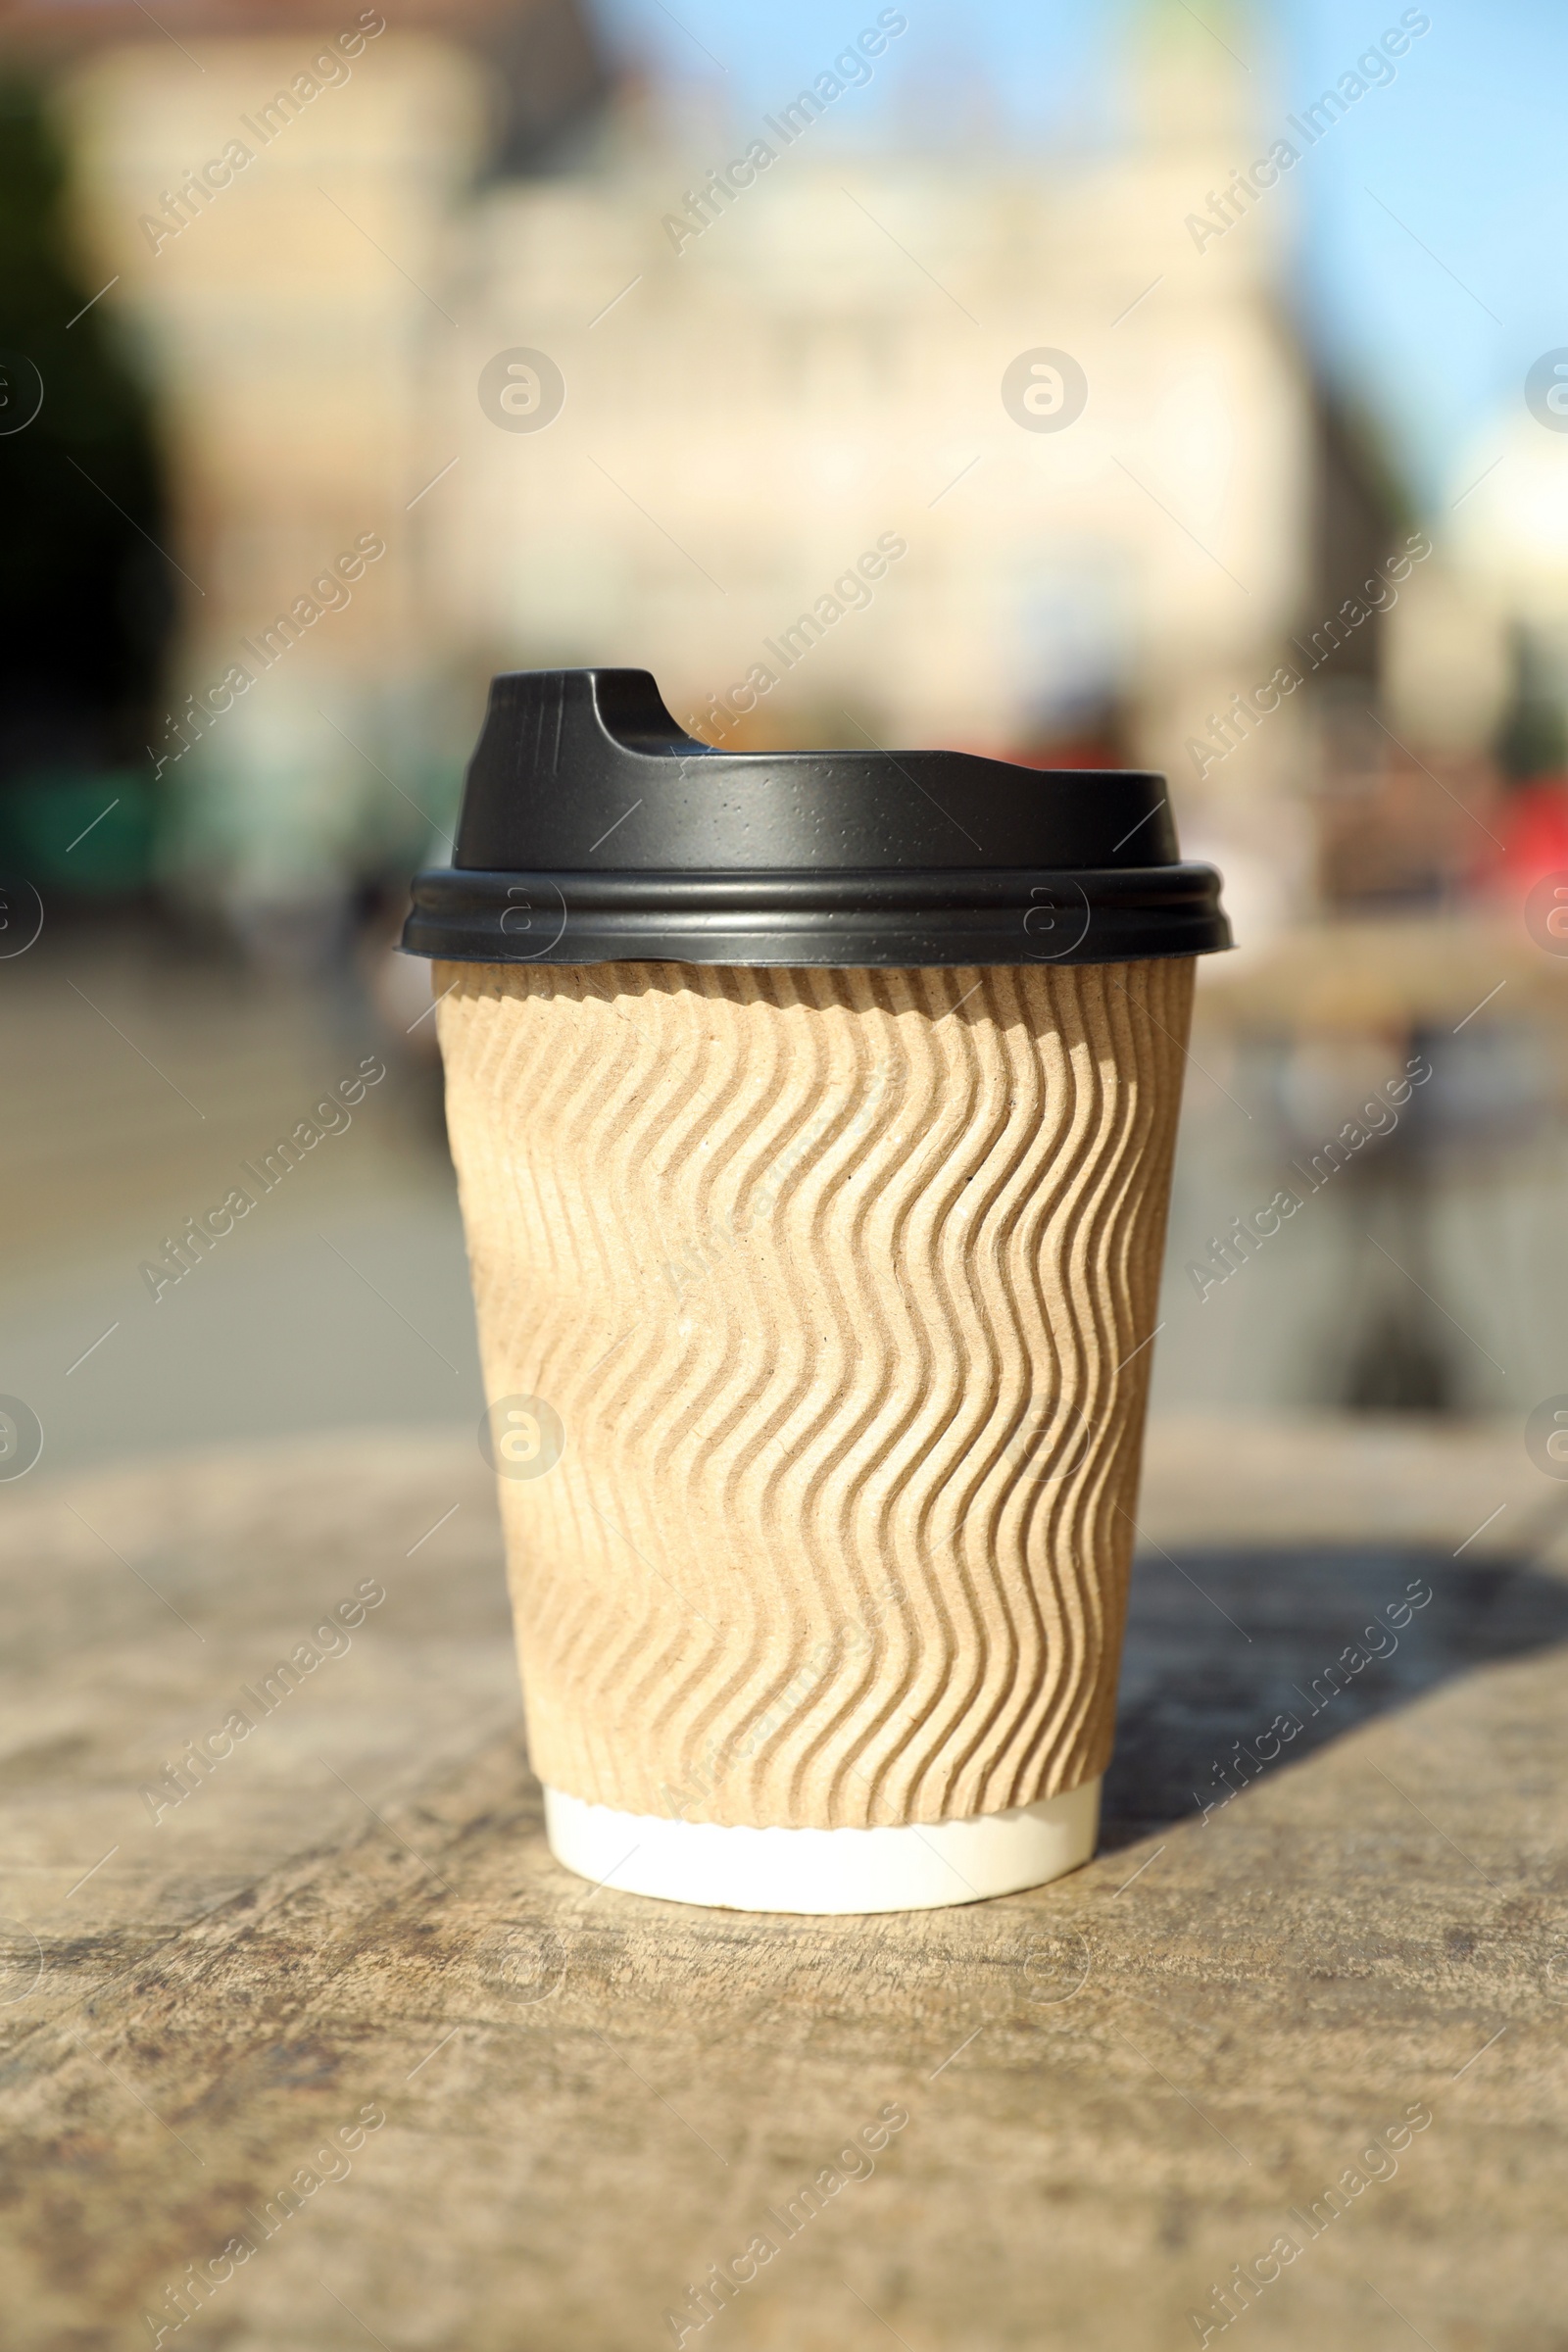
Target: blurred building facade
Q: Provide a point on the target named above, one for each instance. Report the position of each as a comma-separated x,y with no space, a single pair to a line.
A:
841,332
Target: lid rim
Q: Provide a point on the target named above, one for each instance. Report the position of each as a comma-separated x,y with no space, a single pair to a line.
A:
866,919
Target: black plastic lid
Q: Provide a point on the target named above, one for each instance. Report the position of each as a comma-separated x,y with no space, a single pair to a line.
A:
594,831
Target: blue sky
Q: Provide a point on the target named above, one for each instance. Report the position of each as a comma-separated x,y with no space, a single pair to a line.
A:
1432,259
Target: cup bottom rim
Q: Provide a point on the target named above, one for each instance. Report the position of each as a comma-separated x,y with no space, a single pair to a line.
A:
918,1866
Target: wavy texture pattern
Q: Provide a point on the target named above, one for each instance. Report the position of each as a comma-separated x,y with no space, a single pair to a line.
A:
840,1283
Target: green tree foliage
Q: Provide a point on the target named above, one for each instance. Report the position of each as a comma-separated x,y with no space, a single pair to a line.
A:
86,601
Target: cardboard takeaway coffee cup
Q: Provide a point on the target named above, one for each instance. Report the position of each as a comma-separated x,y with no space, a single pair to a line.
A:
812,1115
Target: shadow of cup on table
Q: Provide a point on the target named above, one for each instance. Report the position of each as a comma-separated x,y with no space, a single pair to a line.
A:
1231,1645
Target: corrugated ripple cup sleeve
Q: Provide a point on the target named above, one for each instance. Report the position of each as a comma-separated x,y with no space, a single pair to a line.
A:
814,1308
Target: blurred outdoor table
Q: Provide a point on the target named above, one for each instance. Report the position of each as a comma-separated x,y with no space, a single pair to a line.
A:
1117,2087
1397,972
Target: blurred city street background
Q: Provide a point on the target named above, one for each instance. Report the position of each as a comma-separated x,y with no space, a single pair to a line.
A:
1216,415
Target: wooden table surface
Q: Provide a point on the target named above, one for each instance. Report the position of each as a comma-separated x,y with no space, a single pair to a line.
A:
515,2114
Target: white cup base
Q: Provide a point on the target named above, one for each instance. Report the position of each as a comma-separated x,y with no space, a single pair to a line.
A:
915,1868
